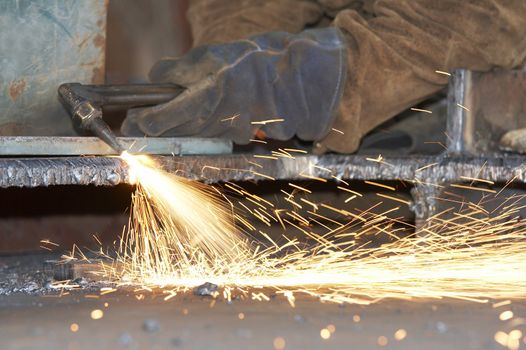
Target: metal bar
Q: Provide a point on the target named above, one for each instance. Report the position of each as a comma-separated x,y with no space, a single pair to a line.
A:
459,135
57,146
109,171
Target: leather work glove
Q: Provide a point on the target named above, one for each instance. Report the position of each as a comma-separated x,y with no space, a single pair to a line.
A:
233,88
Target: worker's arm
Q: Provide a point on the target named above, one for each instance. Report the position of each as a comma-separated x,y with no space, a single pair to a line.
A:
221,21
391,62
393,58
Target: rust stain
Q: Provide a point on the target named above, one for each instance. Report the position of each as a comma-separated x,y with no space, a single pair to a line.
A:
98,75
13,128
99,41
16,88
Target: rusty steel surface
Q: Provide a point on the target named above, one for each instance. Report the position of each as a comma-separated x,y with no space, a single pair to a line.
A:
44,43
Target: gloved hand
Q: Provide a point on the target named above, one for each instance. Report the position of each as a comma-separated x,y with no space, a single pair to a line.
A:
231,87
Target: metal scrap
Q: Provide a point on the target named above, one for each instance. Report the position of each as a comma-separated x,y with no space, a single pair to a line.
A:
206,289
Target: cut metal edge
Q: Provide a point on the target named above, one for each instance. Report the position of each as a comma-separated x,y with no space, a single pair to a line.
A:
87,145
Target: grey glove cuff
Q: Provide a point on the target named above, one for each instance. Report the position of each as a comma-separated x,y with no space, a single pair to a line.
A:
295,77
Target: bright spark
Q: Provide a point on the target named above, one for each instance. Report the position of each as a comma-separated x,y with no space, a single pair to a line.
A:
97,314
264,122
443,73
463,107
422,110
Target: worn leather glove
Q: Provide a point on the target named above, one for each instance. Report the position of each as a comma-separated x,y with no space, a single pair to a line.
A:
233,87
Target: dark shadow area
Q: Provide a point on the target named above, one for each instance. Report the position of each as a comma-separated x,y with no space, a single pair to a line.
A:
65,215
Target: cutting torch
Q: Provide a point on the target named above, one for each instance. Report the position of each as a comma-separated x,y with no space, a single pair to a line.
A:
84,104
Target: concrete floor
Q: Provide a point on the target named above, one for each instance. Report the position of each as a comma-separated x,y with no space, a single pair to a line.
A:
33,318
43,322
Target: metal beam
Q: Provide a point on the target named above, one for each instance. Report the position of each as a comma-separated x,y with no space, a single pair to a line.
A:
109,171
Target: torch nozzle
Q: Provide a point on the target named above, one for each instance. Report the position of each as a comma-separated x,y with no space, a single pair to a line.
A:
87,115
103,131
